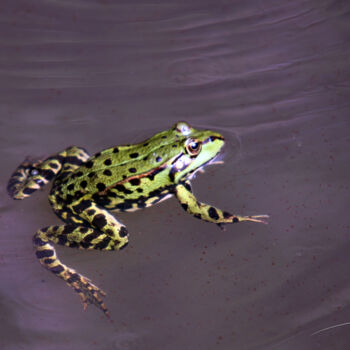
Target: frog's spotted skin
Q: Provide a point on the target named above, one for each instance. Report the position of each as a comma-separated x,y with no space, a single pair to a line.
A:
31,176
124,178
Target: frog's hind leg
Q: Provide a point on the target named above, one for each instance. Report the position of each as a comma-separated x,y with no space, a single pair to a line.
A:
207,212
103,232
71,236
32,175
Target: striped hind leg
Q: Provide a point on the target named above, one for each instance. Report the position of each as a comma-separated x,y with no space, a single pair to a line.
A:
32,175
73,236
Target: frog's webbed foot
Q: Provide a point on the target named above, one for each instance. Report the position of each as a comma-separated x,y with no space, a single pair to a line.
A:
88,292
25,179
34,173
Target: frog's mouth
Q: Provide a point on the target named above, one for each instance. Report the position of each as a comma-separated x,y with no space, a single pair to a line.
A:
218,159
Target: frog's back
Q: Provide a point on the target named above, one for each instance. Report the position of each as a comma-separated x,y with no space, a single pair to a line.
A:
120,176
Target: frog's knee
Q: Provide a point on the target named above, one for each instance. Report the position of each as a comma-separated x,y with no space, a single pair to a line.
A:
122,238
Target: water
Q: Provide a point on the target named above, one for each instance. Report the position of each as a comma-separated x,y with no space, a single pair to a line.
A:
273,77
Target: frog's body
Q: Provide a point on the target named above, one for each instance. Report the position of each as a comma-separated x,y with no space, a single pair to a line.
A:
124,178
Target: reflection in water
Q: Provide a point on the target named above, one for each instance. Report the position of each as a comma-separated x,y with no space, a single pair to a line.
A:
273,78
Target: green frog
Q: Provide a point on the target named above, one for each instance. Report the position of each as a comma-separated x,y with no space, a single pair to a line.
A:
125,178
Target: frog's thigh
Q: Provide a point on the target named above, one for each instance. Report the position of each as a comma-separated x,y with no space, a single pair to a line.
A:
82,237
102,220
200,210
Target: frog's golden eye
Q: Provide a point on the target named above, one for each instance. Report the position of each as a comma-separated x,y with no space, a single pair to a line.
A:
193,147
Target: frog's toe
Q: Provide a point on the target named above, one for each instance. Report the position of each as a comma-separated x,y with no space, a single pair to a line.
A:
89,293
87,281
256,218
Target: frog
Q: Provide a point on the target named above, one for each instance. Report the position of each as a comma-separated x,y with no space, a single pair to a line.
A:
87,191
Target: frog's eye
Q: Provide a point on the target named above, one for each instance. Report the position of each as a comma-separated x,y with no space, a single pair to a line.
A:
193,147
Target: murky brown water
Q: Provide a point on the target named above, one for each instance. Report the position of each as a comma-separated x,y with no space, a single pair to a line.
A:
274,78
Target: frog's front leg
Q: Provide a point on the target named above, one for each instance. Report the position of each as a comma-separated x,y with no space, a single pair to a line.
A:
105,233
207,212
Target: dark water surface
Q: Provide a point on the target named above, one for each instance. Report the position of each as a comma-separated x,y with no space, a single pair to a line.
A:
274,78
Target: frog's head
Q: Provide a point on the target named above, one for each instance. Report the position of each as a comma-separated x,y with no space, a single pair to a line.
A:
199,148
